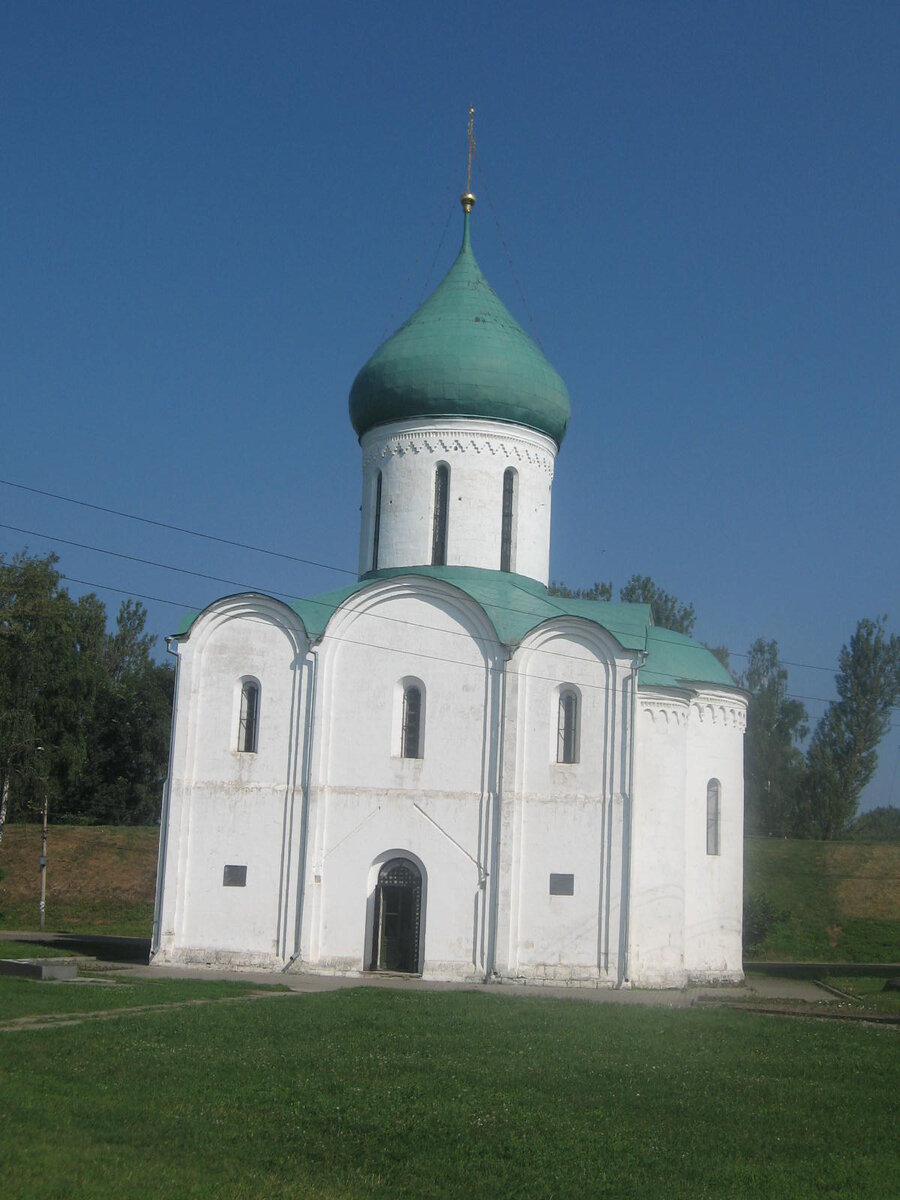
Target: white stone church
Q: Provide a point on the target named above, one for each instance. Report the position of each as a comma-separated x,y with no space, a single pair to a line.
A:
442,769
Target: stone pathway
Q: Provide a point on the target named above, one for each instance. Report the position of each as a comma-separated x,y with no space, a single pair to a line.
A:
777,994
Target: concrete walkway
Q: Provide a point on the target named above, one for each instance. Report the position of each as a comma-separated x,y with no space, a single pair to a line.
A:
128,956
759,989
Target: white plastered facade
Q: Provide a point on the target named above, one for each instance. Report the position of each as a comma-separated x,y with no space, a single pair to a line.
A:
487,814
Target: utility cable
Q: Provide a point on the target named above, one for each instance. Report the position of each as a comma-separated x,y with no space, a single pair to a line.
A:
186,606
210,537
273,553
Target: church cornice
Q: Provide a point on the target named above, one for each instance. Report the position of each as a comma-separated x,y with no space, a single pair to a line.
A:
465,439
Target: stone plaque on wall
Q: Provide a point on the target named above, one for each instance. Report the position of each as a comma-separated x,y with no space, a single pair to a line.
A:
562,885
235,876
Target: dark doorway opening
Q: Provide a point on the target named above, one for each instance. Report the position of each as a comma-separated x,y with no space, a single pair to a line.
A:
398,914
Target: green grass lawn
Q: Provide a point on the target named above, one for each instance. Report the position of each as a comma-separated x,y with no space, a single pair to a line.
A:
868,991
370,1092
30,997
32,950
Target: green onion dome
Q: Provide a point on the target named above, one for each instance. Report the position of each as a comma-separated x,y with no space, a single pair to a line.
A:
461,355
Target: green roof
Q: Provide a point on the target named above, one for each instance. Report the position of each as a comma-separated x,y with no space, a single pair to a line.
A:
461,355
515,605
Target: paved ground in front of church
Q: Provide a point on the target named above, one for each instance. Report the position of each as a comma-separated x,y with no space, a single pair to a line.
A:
769,993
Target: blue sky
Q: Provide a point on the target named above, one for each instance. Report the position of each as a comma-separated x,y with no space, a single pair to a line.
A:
213,213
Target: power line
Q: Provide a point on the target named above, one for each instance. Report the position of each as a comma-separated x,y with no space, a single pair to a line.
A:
261,550
210,537
185,606
106,587
289,596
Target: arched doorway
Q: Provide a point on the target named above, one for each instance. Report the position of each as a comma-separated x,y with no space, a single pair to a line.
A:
397,917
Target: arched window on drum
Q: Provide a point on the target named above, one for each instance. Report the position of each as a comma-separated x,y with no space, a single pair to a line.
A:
440,516
508,520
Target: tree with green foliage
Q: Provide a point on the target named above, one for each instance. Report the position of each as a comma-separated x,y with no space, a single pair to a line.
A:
668,611
127,735
40,682
877,825
773,760
843,753
96,704
723,654
597,591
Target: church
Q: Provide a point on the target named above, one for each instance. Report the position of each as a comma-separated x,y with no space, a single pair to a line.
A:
442,769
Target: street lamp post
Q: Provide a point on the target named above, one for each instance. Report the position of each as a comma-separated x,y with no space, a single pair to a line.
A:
43,859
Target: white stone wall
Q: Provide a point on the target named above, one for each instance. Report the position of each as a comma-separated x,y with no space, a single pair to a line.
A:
714,900
685,913
477,453
487,812
564,818
227,807
656,915
369,804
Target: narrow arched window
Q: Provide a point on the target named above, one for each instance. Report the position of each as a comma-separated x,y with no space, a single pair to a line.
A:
377,532
411,729
439,528
248,727
713,817
507,519
567,729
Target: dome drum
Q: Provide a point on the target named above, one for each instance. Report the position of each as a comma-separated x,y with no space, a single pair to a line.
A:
499,479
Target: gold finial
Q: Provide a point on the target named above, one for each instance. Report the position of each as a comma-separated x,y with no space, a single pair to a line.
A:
467,200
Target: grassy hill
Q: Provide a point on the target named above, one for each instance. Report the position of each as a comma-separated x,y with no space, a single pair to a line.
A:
100,879
831,901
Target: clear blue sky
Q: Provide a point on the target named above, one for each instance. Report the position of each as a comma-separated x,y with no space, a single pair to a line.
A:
213,213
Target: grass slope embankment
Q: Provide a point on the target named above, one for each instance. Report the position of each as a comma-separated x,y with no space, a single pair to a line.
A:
100,879
835,901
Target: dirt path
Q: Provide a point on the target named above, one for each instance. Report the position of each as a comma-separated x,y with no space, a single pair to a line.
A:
57,1020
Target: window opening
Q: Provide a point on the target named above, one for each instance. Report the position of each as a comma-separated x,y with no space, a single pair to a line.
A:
249,722
713,817
567,732
410,738
377,533
506,527
439,531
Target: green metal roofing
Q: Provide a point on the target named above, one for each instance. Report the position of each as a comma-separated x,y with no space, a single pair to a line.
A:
515,605
674,659
461,355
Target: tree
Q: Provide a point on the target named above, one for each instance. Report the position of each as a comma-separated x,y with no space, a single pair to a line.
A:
668,611
598,591
96,704
38,681
843,753
773,760
877,825
723,654
127,736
